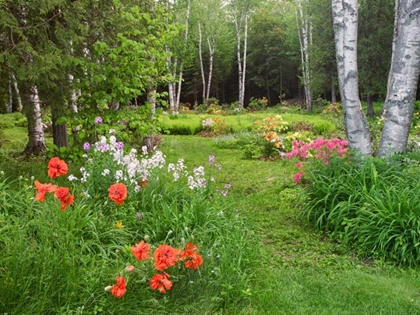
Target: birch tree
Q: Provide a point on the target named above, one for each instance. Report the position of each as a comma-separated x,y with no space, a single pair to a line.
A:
175,61
403,78
210,25
304,26
345,16
241,14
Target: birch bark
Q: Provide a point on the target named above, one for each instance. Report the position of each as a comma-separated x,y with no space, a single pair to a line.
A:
403,78
305,38
345,33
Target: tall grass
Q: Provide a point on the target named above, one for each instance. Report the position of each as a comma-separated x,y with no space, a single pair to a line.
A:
372,204
59,262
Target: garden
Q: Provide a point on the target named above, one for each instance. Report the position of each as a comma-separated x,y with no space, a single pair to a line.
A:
264,211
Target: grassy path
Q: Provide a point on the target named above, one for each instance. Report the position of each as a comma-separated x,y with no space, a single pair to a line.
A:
301,270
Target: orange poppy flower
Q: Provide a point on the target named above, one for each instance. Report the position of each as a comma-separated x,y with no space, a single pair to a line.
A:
194,259
191,246
117,193
165,256
141,250
43,189
161,282
67,201
119,289
57,167
62,193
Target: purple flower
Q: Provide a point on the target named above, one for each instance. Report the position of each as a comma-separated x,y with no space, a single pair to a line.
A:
104,147
98,120
86,146
119,145
211,159
227,186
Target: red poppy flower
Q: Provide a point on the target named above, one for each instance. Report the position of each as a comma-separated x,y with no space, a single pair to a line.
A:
43,189
194,259
57,167
66,201
191,246
117,193
62,193
141,250
165,256
119,289
161,282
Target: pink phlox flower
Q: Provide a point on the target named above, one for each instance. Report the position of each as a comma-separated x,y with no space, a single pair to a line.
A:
298,176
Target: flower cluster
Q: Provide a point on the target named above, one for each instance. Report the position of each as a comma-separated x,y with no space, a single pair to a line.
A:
270,129
207,123
319,149
119,167
56,168
196,180
164,257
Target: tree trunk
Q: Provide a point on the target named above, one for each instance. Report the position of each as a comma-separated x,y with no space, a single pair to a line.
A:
333,91
370,110
60,138
9,104
345,34
200,54
242,96
171,85
181,67
151,98
18,99
304,33
238,25
211,50
403,78
36,139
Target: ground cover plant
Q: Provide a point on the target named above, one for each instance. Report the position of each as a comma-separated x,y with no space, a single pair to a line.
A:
259,252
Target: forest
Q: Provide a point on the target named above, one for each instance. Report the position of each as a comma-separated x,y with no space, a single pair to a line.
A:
72,54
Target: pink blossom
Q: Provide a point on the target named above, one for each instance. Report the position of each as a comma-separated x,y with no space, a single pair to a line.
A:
298,176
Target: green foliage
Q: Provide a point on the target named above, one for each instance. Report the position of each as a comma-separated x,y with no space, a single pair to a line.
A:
371,204
62,260
133,60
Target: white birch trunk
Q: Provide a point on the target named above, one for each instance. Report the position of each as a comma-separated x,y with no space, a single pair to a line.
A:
403,78
238,27
171,87
242,96
305,32
211,50
200,53
357,128
338,22
73,94
18,98
36,138
181,67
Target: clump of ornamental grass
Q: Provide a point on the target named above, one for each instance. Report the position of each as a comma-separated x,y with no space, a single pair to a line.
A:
67,238
370,203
